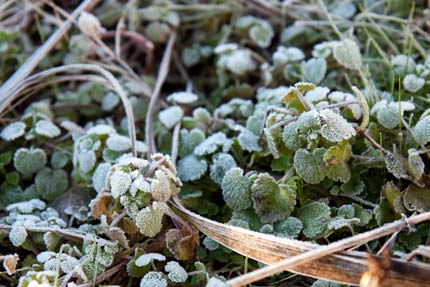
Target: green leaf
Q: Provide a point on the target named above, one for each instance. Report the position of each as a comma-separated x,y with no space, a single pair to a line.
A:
17,235
336,160
13,131
272,201
412,83
236,189
314,217
211,144
421,131
416,164
176,273
389,117
417,198
50,184
171,116
147,258
290,227
354,186
29,161
182,98
153,279
310,166
188,140
248,141
395,166
322,283
47,128
314,70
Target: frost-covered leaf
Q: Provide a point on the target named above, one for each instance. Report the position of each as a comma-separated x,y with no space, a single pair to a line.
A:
13,131
211,144
262,34
182,98
160,186
119,182
421,131
118,143
271,142
110,101
416,164
210,244
240,62
322,283
354,186
59,159
153,279
221,163
255,123
310,166
149,219
395,166
47,128
314,217
171,116
86,160
100,176
290,227
284,55
215,282
248,141
191,168
236,189
17,235
335,128
388,117
412,83
188,140
50,184
314,70
147,258
176,273
272,201
29,161
340,222
336,158
347,53
417,198
9,263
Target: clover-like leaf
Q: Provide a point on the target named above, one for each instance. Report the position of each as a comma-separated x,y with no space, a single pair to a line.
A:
395,166
191,168
417,198
211,144
13,131
147,258
272,201
188,140
388,117
412,83
119,182
314,217
248,141
314,70
221,164
171,116
336,158
290,227
335,128
236,189
176,273
100,176
153,279
47,128
17,235
118,143
29,161
421,131
149,219
347,53
416,164
310,165
182,98
50,184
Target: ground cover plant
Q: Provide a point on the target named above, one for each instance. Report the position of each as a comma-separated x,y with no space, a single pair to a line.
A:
214,143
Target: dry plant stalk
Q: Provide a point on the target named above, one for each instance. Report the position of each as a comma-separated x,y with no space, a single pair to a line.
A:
311,259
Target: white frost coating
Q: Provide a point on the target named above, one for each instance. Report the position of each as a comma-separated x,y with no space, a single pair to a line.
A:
145,259
335,128
47,128
176,274
13,131
171,116
182,97
412,83
119,183
118,143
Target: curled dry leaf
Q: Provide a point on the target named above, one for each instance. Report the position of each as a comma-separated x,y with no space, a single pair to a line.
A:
9,263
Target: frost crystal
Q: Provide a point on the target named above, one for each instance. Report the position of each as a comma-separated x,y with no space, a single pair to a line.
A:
171,116
153,279
175,271
191,168
145,259
412,83
335,128
47,128
13,131
236,189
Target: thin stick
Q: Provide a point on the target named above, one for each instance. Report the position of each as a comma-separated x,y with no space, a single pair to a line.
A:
175,142
161,77
326,250
31,63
